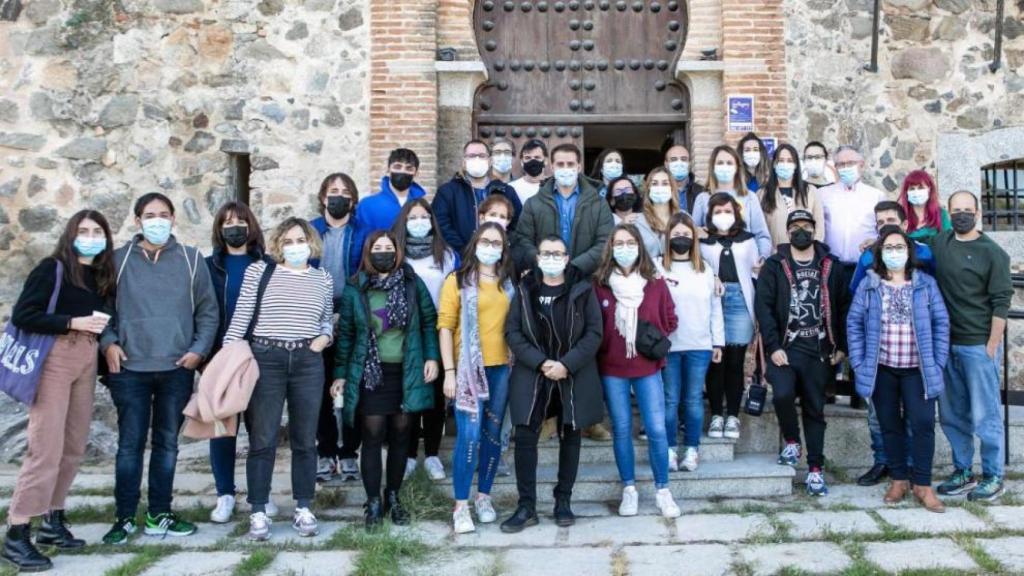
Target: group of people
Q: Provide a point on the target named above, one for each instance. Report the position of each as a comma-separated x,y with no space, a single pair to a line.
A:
495,298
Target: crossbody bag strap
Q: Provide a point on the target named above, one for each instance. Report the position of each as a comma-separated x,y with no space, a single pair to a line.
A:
58,281
124,263
264,280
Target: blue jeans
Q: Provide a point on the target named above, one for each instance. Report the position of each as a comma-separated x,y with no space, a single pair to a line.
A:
139,398
739,328
684,375
971,406
650,398
222,460
878,444
480,432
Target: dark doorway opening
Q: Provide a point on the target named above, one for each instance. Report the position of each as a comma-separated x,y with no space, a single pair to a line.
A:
642,146
239,169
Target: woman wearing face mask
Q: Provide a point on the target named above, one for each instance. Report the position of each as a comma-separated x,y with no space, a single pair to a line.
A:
731,252
756,166
898,333
293,326
628,208
660,204
497,209
386,359
633,298
58,419
432,260
607,167
237,243
926,216
726,176
696,342
474,303
786,191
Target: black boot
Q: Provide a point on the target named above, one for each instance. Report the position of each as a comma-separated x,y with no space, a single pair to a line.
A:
373,512
19,550
563,512
523,517
874,476
54,532
399,517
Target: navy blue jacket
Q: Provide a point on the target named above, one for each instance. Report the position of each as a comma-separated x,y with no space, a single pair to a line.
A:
455,207
219,279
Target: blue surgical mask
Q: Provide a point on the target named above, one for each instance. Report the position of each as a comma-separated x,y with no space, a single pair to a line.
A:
725,173
502,163
849,175
156,231
785,170
660,194
296,254
488,255
611,170
552,267
88,246
680,169
565,177
418,227
894,260
625,256
918,196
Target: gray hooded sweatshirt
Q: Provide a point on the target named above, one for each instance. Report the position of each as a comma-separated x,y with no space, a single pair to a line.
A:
165,306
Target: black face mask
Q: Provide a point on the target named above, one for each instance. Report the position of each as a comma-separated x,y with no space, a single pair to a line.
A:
533,167
401,180
382,261
338,206
801,239
963,222
235,236
681,244
625,202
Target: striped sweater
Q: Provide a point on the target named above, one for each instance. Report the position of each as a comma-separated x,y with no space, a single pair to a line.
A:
296,305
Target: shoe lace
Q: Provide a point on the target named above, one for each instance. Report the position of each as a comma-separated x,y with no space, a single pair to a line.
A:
304,517
165,521
815,478
791,451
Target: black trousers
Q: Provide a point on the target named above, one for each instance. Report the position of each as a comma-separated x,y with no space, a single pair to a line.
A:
898,399
725,381
429,423
526,463
327,426
806,376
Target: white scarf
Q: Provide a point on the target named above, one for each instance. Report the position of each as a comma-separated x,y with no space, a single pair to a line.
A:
629,294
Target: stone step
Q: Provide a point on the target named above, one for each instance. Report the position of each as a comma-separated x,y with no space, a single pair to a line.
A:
748,476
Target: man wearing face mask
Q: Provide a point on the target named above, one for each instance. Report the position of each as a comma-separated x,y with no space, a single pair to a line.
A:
815,165
166,318
533,156
677,161
457,202
502,153
801,305
973,273
378,211
849,207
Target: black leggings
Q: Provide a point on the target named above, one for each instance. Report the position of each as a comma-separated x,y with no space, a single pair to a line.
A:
376,429
725,380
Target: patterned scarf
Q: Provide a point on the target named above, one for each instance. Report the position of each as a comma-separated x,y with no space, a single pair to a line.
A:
397,316
416,248
470,377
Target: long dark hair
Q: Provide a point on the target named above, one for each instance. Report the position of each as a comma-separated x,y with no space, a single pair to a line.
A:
876,250
468,273
254,241
637,207
366,263
438,247
595,171
644,265
799,186
721,199
760,173
103,263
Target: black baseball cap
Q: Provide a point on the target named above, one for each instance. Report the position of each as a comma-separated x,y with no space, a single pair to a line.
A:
800,216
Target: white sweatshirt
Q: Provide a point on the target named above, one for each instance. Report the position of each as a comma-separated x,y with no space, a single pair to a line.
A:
701,326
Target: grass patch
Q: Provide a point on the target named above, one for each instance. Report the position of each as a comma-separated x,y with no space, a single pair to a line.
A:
381,551
620,564
889,533
740,568
8,570
255,562
781,531
859,565
989,565
791,571
328,497
422,498
140,562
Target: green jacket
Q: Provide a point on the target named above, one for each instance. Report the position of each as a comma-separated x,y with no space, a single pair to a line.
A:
354,338
591,226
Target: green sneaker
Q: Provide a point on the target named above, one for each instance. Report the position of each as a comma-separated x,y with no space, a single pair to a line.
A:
168,524
120,531
959,482
990,488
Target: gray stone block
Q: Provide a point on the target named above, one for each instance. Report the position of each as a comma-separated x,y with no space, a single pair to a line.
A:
311,564
1007,551
87,564
812,524
921,520
807,557
558,562
721,527
618,530
1010,517
693,560
22,141
918,555
196,564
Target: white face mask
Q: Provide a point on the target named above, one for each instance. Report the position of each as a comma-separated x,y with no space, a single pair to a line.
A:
814,168
724,174
918,196
660,194
751,159
296,254
499,221
477,167
723,221
503,163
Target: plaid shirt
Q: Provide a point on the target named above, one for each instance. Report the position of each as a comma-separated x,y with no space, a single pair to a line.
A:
897,348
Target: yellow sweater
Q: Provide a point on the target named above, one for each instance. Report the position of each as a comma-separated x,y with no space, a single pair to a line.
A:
492,306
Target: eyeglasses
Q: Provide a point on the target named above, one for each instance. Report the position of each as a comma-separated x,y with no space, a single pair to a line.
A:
620,191
626,244
549,255
481,155
894,248
502,153
809,157
490,243
847,164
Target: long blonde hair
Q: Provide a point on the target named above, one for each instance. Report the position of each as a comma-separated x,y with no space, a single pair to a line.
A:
673,203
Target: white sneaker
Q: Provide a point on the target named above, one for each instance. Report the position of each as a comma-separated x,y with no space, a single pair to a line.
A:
630,502
225,508
485,510
716,427
349,469
325,469
691,458
305,523
673,460
271,509
435,469
410,467
667,504
732,428
259,526
462,521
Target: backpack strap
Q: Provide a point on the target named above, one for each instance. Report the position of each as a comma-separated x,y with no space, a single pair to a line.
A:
264,280
192,266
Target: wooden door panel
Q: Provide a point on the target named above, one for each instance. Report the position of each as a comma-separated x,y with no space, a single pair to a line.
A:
551,134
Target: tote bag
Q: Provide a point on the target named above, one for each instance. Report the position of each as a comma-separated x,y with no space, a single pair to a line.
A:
22,353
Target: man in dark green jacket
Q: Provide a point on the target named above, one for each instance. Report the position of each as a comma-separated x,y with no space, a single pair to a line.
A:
568,206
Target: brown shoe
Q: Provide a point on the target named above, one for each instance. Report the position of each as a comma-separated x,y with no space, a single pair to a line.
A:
549,429
597,432
925,495
897,491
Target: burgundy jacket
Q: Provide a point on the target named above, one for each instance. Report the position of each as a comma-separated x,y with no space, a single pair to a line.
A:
657,308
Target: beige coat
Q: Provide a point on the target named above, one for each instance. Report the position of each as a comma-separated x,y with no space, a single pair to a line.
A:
223,392
777,220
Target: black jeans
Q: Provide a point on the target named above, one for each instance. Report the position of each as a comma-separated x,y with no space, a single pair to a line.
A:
805,376
430,423
725,381
899,399
526,463
376,429
327,425
147,403
298,376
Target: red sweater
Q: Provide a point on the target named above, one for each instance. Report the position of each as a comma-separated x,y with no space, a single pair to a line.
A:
657,308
